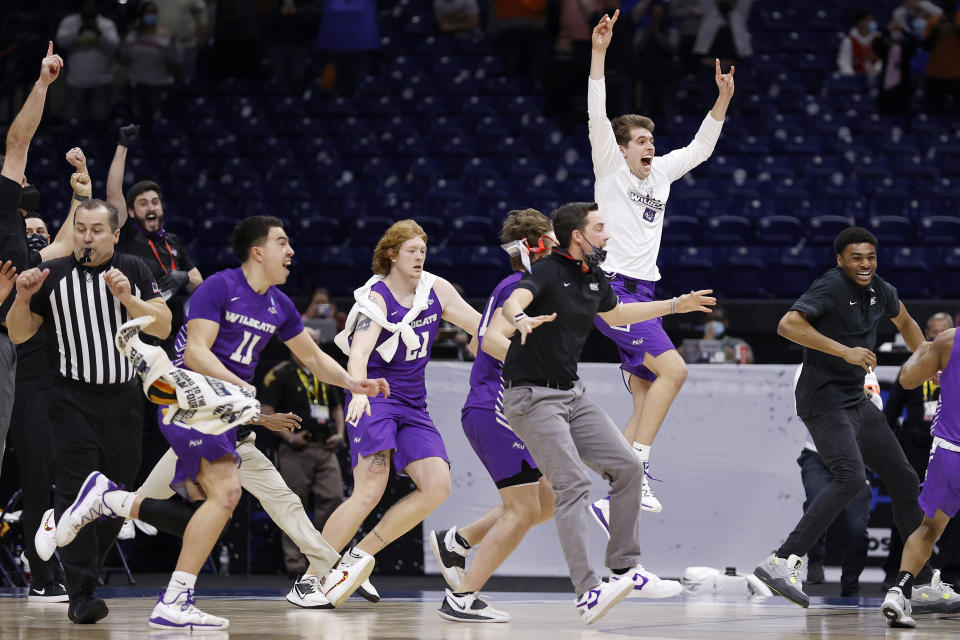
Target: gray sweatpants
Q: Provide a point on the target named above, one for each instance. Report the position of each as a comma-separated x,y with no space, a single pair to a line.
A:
8,377
566,433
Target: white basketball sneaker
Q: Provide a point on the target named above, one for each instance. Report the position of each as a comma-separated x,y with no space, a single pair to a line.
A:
596,602
647,584
86,508
307,592
600,510
353,570
45,540
936,597
368,592
182,613
648,501
896,609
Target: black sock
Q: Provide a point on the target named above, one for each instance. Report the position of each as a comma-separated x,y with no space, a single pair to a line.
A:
170,516
460,540
620,572
905,583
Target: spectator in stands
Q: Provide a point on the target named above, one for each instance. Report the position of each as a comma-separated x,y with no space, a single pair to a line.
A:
571,60
895,47
913,14
723,34
322,316
306,458
289,28
735,350
685,15
456,16
913,432
90,41
152,57
654,51
942,39
186,21
856,49
349,35
519,31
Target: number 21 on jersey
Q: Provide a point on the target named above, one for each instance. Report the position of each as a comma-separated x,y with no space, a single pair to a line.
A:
421,351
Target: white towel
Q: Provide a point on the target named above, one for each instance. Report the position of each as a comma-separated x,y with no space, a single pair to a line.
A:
400,329
209,405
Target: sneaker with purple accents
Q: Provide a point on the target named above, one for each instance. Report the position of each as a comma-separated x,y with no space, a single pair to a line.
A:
647,584
88,507
182,613
596,602
600,510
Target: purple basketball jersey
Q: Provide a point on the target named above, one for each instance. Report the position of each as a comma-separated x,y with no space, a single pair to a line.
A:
406,371
247,320
946,421
486,383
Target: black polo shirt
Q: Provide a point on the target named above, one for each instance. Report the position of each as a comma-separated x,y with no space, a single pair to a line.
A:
283,388
13,234
844,311
558,284
160,255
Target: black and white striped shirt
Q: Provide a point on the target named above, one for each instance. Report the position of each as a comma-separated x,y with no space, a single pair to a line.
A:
81,317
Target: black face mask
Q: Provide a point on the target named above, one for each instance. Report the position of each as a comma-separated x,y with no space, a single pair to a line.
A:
596,256
36,242
30,199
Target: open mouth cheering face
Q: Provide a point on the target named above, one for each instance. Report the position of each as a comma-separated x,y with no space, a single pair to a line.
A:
858,262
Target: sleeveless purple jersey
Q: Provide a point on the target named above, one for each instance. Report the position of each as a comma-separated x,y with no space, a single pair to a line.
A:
406,371
247,320
486,383
946,421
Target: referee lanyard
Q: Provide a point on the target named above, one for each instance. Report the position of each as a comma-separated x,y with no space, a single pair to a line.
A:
173,265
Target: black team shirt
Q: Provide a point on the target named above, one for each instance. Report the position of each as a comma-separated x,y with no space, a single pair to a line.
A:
844,311
558,284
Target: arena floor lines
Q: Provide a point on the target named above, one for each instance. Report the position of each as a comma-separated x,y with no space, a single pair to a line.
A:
412,616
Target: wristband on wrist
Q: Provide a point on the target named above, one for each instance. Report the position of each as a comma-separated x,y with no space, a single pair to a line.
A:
517,318
80,198
673,305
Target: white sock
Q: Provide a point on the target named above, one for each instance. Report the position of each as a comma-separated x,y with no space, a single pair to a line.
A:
180,581
642,451
120,502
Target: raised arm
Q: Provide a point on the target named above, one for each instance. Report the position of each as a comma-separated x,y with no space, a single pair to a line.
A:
21,322
909,329
604,149
128,134
794,327
62,244
24,126
724,91
927,360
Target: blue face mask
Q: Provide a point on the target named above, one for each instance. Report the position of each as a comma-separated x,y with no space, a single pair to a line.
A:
149,19
718,328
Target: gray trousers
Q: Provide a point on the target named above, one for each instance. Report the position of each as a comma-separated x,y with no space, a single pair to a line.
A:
565,433
8,378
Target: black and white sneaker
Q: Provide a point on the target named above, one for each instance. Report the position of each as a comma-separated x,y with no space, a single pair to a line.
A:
50,592
470,608
368,592
307,592
450,555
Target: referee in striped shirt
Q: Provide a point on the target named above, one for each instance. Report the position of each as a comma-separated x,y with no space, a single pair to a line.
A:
81,301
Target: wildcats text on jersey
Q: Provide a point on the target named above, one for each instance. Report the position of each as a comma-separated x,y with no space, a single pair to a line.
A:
253,323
